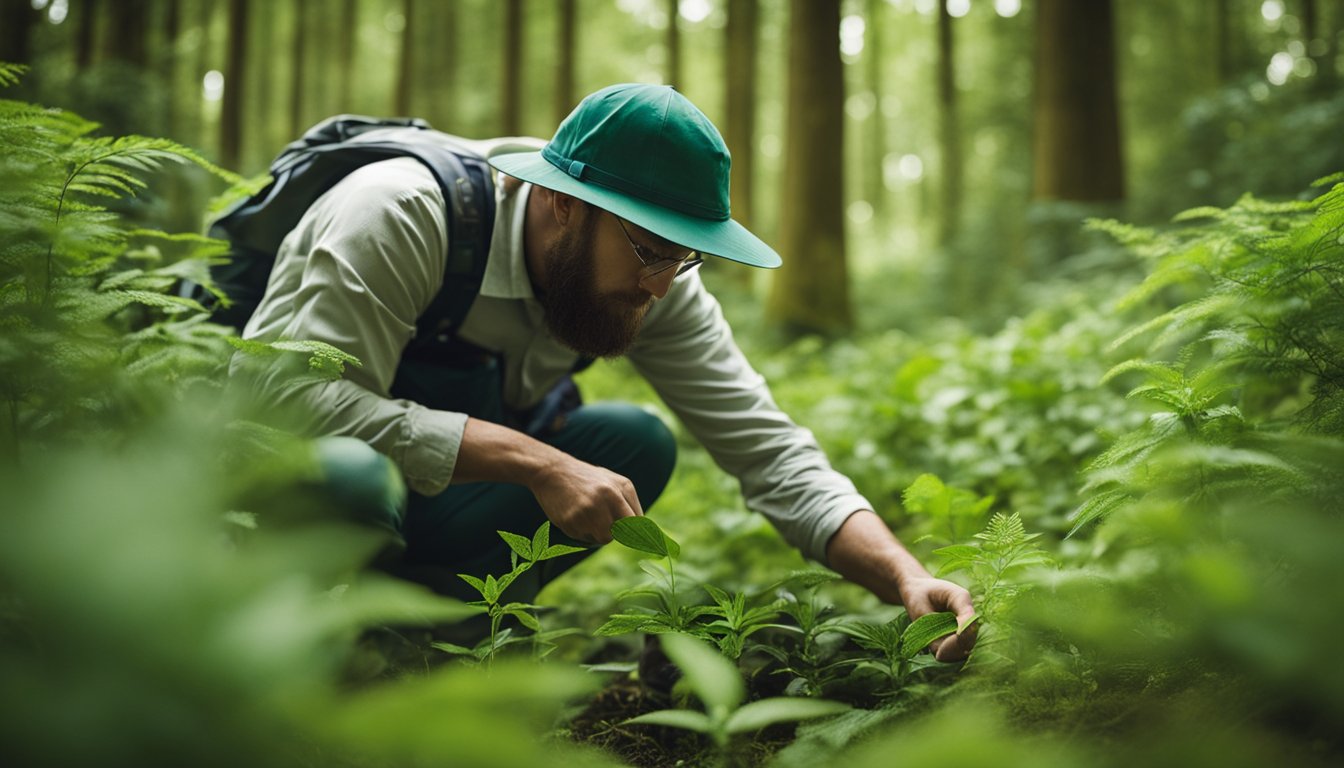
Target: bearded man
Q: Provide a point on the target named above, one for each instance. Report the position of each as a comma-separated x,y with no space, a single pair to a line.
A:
594,252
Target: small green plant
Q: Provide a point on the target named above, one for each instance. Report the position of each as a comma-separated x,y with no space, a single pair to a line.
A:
1004,546
525,554
643,535
736,622
947,514
900,641
809,661
716,682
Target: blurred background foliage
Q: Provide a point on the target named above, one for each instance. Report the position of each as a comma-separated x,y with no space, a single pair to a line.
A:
1159,399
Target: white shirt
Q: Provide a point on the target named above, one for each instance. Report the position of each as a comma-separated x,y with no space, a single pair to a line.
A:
368,258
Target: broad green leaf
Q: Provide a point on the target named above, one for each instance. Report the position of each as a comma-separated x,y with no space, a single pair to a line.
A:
642,534
759,714
526,618
492,590
713,678
559,550
625,623
541,539
962,625
476,583
520,544
675,718
925,630
456,650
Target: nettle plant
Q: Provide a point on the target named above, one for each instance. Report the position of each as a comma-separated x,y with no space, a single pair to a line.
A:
1246,372
95,338
524,554
717,683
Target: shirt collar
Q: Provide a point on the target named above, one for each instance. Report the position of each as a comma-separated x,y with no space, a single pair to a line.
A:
506,274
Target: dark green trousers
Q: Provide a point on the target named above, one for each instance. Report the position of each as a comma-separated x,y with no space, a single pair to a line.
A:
455,531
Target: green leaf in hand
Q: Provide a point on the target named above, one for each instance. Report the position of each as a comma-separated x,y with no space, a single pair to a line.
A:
642,534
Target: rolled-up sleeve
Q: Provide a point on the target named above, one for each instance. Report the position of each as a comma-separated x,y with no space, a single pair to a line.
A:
364,262
687,353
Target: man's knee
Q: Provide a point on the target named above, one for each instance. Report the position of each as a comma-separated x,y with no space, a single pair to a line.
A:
363,481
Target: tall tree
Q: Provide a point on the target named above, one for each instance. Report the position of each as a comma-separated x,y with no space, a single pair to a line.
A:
564,64
168,66
17,33
949,133
263,126
126,33
673,44
442,56
235,84
740,102
346,52
811,292
406,63
298,80
1076,146
511,88
86,33
875,189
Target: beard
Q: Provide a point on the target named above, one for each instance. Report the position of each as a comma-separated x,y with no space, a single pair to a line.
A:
577,316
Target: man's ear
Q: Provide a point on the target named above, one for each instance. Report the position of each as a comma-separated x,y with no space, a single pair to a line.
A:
565,208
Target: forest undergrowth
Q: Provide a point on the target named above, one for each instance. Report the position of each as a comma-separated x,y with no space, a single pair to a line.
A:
1138,481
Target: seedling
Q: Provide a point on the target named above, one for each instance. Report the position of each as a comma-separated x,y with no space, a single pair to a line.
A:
716,682
900,641
736,622
643,535
525,553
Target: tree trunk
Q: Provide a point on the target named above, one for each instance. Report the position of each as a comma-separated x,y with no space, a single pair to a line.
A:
1222,41
346,53
875,188
168,67
86,34
235,85
1076,145
17,34
740,102
811,292
406,64
564,65
673,44
441,110
949,133
263,126
511,107
127,33
298,116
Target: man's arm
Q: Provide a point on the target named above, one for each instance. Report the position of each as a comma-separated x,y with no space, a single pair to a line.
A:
865,552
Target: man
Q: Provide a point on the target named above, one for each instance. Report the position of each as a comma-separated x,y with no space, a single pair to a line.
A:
593,254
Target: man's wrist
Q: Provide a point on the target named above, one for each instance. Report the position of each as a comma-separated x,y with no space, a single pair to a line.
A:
865,551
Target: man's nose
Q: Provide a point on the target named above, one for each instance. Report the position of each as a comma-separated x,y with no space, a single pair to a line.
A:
658,285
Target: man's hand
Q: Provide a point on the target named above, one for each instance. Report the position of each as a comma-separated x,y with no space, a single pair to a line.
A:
925,594
583,500
580,499
865,552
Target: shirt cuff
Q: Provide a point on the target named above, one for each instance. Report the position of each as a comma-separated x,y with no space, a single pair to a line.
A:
428,446
827,525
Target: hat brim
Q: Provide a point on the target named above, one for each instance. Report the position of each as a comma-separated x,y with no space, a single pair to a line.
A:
726,239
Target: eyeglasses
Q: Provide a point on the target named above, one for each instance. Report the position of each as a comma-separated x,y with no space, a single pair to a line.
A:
655,264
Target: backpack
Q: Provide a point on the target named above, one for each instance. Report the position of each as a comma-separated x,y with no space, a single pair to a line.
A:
437,369
310,166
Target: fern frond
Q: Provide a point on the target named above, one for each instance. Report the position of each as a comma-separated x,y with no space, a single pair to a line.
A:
10,73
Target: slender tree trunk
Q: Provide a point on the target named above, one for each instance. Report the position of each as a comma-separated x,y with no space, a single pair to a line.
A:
875,188
511,93
17,33
406,64
1222,43
949,133
346,53
673,44
298,80
86,33
264,108
168,66
564,65
235,85
1076,146
442,55
129,22
740,103
811,292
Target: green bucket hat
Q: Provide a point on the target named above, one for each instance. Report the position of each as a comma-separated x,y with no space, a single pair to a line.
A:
645,153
